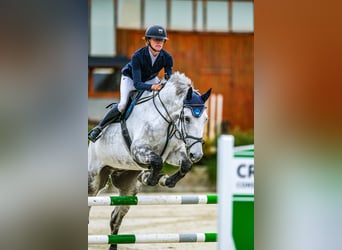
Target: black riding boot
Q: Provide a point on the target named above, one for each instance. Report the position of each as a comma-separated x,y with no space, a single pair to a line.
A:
110,117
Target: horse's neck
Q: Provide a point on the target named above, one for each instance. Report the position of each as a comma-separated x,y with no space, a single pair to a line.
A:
172,97
159,112
166,103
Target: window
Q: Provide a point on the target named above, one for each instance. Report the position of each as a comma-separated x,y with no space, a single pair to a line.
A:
190,15
181,15
129,13
102,28
217,16
106,80
155,12
243,16
199,15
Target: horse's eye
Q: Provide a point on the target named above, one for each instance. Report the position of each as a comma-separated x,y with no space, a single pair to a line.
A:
187,119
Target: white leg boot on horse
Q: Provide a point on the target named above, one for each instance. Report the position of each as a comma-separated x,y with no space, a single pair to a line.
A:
112,115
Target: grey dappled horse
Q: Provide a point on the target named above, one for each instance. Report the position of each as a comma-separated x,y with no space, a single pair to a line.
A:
165,126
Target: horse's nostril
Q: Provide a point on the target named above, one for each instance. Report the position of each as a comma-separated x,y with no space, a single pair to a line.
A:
195,157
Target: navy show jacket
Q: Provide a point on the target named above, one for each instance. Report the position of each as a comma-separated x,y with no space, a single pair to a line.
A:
140,68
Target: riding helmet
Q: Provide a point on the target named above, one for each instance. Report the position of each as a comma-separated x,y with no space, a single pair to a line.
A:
156,31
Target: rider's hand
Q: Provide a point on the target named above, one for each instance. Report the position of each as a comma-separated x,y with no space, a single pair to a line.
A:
156,87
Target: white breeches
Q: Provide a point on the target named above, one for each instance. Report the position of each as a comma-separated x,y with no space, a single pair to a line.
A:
126,86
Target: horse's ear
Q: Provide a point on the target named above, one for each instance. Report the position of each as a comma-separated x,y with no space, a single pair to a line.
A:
189,94
206,95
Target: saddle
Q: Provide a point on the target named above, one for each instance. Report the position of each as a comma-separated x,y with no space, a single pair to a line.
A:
132,101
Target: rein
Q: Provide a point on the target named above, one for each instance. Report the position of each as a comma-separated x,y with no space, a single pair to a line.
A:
174,129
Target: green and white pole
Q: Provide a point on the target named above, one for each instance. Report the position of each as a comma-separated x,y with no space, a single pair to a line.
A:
152,200
152,238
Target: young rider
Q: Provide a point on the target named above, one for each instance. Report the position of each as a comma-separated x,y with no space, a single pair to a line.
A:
140,74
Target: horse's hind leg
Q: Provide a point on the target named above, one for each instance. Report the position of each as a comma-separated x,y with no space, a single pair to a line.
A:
126,182
97,181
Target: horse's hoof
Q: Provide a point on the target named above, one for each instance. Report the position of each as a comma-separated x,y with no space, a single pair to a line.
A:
113,247
162,180
154,181
169,183
146,178
150,182
143,176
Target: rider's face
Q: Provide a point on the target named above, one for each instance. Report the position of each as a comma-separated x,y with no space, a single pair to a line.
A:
157,44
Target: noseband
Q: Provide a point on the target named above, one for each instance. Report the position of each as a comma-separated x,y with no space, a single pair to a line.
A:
184,134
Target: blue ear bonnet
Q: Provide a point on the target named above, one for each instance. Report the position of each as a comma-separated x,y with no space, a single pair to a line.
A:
195,104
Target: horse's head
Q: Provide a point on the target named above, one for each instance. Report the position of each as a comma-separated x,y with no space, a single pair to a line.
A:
193,120
177,101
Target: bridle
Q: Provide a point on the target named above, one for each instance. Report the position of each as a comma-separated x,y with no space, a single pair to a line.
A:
176,127
185,134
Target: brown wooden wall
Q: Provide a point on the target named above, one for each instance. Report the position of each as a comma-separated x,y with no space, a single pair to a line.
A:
221,61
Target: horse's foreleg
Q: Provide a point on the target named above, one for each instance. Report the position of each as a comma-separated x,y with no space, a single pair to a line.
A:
156,167
154,161
171,181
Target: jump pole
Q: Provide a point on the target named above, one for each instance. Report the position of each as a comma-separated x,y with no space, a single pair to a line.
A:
152,238
152,200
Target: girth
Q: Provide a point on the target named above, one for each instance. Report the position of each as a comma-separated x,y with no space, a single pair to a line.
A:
133,101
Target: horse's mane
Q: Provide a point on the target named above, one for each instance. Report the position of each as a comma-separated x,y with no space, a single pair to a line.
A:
181,82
